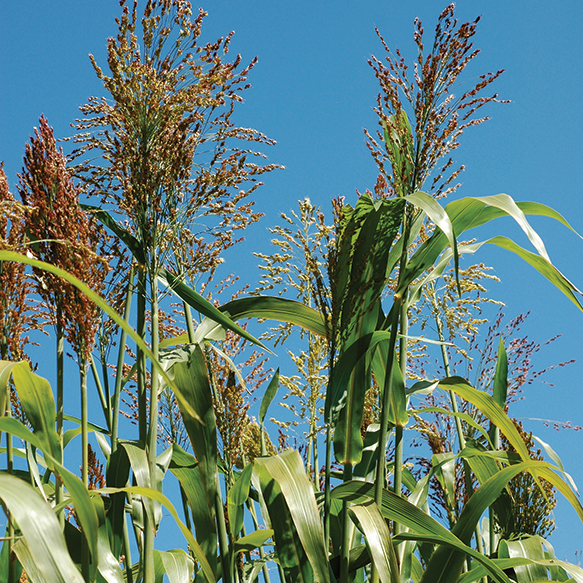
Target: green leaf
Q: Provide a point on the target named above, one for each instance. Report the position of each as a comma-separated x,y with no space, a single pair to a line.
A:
288,471
501,375
378,539
117,473
124,235
422,527
543,266
176,564
253,541
159,497
441,219
290,551
141,469
41,530
236,499
268,396
185,467
279,309
529,548
98,301
202,305
36,398
192,378
108,564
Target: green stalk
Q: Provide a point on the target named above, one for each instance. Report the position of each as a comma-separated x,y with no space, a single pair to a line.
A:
141,360
149,534
226,561
103,397
120,359
84,421
60,390
346,530
327,485
458,422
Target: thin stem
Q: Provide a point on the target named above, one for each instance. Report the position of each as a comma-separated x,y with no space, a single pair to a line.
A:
9,468
346,530
84,422
141,359
149,529
102,396
120,359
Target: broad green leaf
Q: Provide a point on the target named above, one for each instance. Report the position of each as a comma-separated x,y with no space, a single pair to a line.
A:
378,539
421,526
185,467
6,367
98,301
141,470
438,215
573,573
41,531
288,471
192,378
202,305
175,564
276,308
253,540
108,564
72,433
290,552
468,213
488,406
159,497
117,472
529,548
446,562
36,398
236,499
85,511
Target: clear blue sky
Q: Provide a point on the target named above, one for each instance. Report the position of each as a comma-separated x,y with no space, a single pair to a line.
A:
313,92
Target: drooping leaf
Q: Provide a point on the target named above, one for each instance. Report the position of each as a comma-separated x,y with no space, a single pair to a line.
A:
201,304
276,308
253,540
175,564
290,551
159,497
378,539
137,250
288,471
421,526
501,375
43,538
103,305
441,219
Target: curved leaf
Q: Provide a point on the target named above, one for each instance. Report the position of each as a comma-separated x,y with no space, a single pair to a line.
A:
441,219
159,497
288,471
103,305
202,305
41,530
276,308
378,539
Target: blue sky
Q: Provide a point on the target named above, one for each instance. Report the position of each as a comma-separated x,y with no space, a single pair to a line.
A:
313,92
